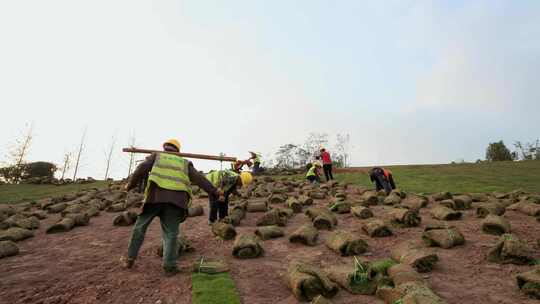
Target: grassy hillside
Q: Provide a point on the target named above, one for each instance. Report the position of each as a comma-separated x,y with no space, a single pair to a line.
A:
21,193
485,177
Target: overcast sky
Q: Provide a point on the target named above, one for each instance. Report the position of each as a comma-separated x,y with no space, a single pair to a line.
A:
410,81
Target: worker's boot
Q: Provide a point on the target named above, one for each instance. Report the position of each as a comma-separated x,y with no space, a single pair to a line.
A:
127,262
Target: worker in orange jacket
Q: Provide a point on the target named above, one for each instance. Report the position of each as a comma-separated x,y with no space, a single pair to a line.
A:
383,179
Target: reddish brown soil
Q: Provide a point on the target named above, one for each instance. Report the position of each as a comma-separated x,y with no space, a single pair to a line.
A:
82,266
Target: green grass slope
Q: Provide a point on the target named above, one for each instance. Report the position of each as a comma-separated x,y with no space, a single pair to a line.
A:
23,192
484,177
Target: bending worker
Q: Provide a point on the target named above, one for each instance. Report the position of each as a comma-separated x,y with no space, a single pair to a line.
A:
228,182
239,164
167,195
312,174
383,179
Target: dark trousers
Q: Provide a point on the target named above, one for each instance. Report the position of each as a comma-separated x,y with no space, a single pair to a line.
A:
313,179
328,171
218,208
381,182
256,168
170,218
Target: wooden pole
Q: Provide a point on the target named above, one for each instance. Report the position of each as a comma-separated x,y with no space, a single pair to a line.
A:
186,155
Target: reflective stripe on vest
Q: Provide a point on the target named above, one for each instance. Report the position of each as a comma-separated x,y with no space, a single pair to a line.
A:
225,179
170,172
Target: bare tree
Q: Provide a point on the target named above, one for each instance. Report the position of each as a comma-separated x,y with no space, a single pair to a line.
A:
17,153
131,155
67,163
109,157
81,150
529,151
315,141
19,149
343,148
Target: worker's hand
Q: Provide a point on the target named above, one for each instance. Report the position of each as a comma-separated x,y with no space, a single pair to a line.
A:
221,195
125,188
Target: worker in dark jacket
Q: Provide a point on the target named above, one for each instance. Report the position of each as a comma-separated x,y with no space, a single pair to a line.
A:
227,181
383,179
256,158
167,195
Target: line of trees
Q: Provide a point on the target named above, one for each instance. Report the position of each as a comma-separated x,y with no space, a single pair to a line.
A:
298,155
497,151
16,168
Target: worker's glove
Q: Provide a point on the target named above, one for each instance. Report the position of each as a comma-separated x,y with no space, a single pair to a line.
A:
221,195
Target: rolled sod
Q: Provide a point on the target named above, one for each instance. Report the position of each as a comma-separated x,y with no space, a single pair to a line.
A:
392,199
341,207
529,282
509,249
269,232
272,217
235,216
405,217
496,225
257,206
444,213
486,208
15,234
294,204
224,230
247,246
305,234
195,211
126,218
346,244
8,248
307,282
64,225
361,212
375,227
413,254
322,218
402,273
19,220
443,236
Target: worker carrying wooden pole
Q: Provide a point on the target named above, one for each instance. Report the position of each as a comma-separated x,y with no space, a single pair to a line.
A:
167,195
181,154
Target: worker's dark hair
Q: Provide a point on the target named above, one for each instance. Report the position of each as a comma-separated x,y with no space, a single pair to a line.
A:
169,147
323,149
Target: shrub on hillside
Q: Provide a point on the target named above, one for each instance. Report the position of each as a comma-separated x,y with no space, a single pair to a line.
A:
497,151
41,170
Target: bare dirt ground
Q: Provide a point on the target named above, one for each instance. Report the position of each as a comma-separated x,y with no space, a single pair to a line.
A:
82,266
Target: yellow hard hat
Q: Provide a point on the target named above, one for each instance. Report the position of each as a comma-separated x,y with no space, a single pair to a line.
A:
246,178
173,142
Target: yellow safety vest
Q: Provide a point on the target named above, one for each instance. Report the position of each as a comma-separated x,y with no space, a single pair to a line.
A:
170,172
225,179
311,171
257,159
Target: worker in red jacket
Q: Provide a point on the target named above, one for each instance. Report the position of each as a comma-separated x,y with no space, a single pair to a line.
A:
327,164
383,179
